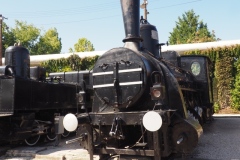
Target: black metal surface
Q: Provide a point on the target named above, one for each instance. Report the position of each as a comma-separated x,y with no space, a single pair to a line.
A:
128,118
20,98
35,95
172,57
130,12
127,94
37,73
18,58
149,34
74,77
157,141
186,62
187,134
7,90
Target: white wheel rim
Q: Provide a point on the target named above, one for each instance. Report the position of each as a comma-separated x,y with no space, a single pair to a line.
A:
38,137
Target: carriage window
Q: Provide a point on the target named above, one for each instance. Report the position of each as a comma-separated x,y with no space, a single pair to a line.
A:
195,68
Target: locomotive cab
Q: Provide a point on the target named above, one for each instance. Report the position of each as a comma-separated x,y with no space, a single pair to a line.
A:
201,69
194,75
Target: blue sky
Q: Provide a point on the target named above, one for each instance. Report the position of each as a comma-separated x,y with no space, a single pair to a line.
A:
101,21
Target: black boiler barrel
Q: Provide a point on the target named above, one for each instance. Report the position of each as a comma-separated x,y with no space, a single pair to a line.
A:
18,58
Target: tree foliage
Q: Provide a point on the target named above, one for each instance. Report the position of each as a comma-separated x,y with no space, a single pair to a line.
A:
83,45
190,30
49,43
235,92
30,37
25,34
72,63
8,38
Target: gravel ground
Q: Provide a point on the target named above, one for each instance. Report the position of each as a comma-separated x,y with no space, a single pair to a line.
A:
48,151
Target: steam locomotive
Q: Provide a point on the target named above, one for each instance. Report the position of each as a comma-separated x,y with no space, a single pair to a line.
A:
144,103
30,103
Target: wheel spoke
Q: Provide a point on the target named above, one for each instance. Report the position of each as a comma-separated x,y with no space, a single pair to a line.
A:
66,133
31,141
51,136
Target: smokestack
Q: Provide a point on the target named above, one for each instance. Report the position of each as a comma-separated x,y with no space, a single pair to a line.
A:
131,19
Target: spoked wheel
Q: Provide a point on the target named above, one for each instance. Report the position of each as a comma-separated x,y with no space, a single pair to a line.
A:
66,133
31,141
51,136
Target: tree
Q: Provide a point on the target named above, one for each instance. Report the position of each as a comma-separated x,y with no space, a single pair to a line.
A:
82,45
8,37
26,34
190,30
30,37
70,50
49,43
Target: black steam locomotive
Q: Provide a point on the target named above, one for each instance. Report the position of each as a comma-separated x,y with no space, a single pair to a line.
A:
30,103
144,104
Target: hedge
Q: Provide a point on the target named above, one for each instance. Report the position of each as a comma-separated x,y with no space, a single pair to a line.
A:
72,63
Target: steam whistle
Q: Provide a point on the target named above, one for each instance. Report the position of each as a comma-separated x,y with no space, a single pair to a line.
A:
144,6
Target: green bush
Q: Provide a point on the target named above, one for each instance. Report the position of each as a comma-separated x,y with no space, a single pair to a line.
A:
72,63
235,92
216,107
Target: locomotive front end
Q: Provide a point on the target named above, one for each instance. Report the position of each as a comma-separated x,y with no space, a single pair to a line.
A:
138,110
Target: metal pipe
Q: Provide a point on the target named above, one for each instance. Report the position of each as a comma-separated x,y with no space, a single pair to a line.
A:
180,140
73,140
131,15
181,48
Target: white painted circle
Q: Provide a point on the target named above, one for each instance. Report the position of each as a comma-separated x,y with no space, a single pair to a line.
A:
70,122
152,121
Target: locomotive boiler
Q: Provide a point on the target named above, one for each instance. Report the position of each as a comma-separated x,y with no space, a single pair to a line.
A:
145,104
30,102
